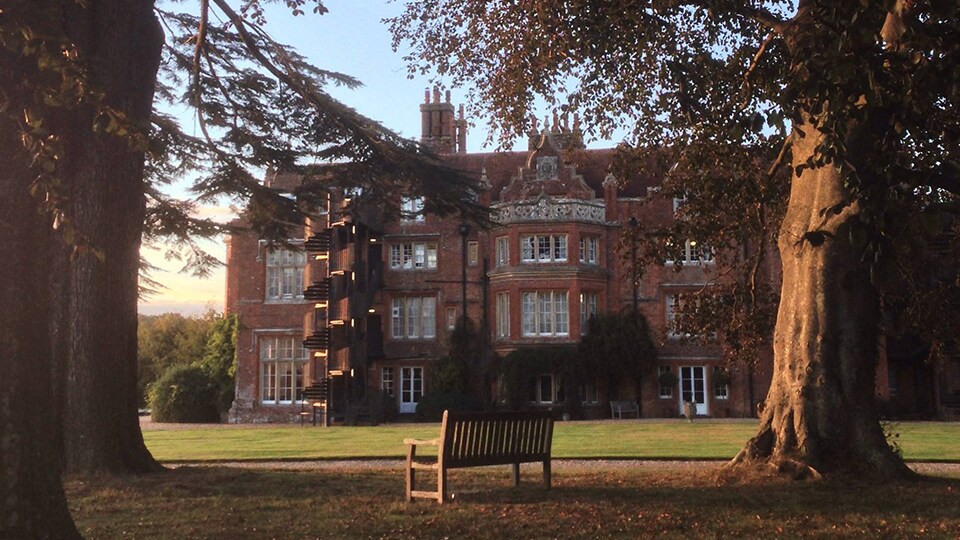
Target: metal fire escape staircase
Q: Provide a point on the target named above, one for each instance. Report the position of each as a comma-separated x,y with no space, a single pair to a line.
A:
317,331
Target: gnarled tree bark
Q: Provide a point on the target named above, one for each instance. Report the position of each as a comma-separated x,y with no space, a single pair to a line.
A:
820,416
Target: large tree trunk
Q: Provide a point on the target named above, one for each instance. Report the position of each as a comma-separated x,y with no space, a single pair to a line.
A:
101,431
32,502
819,416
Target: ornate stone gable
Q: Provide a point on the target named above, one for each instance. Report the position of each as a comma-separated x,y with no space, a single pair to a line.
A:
546,173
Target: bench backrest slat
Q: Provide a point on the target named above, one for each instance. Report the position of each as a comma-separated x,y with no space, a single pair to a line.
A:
470,439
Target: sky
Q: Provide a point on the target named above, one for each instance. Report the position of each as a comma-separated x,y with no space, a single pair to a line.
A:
351,39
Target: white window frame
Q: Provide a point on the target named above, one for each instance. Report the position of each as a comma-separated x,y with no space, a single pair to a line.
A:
412,388
672,304
536,391
413,317
544,248
413,256
387,380
503,315
503,251
695,252
545,313
283,362
721,392
411,209
589,249
284,275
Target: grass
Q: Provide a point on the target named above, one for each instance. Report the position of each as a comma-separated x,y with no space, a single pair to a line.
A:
919,441
596,500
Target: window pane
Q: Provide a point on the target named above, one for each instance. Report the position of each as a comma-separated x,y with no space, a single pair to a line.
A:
546,388
543,248
273,282
395,256
429,317
529,308
545,325
413,317
419,255
561,319
396,318
528,244
268,381
559,248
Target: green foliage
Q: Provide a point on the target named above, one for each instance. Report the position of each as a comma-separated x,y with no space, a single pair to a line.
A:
449,374
171,341
184,394
431,406
220,359
667,379
383,407
461,370
518,368
617,345
167,341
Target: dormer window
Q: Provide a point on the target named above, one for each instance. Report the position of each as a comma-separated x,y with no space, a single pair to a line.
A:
546,168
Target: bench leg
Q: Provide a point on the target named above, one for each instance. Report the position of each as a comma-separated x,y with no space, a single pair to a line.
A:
546,473
516,474
442,485
411,474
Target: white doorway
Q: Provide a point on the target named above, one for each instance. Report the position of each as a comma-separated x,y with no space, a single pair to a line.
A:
693,388
411,388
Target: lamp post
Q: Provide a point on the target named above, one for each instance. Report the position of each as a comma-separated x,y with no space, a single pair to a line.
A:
464,231
633,260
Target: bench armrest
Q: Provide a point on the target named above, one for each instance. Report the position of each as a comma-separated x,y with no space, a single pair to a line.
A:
427,442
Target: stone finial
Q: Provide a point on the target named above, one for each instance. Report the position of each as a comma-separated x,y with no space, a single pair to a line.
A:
609,180
484,181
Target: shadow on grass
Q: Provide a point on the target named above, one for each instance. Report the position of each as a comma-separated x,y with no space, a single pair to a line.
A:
584,503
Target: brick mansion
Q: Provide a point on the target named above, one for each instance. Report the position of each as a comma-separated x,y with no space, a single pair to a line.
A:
363,306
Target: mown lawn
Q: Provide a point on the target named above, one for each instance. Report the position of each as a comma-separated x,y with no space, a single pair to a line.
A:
592,500
919,441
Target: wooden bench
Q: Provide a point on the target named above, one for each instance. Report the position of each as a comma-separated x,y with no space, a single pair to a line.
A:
618,408
480,439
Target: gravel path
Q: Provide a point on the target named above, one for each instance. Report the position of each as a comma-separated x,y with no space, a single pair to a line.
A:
561,464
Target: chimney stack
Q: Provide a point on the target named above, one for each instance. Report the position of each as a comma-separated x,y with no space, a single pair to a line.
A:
439,127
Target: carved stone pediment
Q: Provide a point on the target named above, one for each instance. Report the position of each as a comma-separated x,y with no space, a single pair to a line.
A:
545,208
